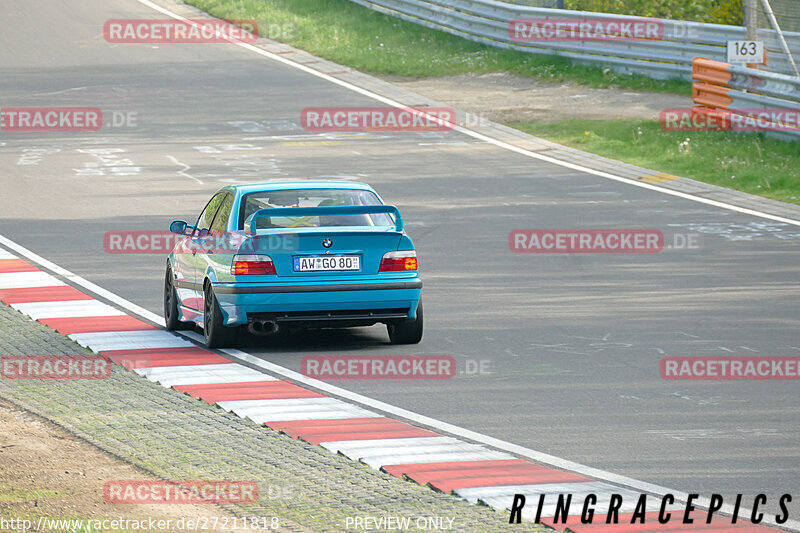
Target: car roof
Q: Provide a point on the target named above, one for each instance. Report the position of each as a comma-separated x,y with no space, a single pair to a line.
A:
282,185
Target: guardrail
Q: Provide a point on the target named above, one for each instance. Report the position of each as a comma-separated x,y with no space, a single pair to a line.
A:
745,98
747,79
669,56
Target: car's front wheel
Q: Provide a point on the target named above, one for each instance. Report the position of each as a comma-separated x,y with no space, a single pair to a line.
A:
408,331
216,334
171,305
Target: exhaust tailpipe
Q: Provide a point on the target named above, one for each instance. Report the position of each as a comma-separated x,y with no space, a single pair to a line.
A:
262,327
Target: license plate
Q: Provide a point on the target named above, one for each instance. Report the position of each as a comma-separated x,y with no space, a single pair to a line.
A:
331,263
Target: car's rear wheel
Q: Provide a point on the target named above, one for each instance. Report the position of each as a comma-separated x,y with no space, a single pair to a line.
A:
408,331
171,305
216,334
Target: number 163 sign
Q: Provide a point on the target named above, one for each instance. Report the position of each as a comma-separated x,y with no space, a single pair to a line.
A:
746,52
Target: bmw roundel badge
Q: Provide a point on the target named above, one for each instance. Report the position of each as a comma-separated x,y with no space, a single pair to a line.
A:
327,243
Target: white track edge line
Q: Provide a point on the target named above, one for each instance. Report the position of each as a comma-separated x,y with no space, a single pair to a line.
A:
66,274
475,134
540,457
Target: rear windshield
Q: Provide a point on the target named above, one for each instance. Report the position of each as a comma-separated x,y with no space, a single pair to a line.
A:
311,198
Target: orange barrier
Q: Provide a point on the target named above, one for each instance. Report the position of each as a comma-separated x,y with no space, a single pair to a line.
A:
712,96
709,94
715,72
718,109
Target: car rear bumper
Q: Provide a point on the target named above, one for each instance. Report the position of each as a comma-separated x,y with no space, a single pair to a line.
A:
294,289
313,302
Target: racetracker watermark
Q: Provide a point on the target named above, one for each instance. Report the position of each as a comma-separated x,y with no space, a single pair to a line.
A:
752,120
730,368
582,30
377,119
378,367
163,242
178,31
139,242
171,492
50,119
54,367
194,523
554,241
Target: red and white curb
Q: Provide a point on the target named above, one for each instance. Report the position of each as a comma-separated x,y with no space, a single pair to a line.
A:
471,471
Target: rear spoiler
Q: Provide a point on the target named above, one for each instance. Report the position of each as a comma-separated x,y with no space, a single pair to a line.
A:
333,210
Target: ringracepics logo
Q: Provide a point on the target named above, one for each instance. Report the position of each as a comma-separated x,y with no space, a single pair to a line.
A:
532,30
698,119
730,368
585,241
607,509
178,31
53,367
172,492
377,119
50,119
378,367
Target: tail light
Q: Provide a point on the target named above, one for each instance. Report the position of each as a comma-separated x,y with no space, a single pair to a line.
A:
399,261
253,265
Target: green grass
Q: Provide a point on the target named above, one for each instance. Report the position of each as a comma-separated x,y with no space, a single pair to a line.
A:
746,162
352,35
11,495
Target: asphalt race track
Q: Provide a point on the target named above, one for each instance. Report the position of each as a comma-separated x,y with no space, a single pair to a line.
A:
570,343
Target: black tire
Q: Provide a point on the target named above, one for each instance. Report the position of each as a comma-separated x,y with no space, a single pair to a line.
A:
171,306
216,334
407,331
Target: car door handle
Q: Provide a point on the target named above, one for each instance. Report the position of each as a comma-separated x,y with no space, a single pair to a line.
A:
198,245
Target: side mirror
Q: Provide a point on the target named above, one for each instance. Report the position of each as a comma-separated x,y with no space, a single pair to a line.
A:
178,226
